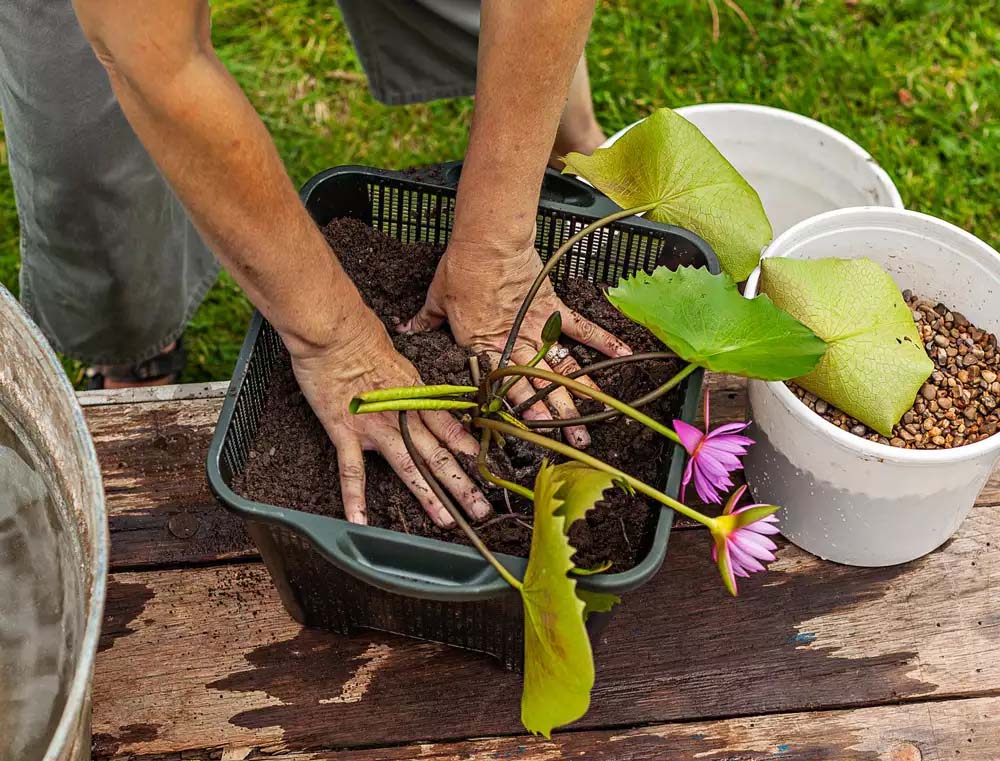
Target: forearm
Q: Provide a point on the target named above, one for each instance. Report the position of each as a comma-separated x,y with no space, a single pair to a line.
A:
528,52
212,147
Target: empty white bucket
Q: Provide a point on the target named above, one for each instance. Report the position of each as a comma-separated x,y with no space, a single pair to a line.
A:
797,165
843,497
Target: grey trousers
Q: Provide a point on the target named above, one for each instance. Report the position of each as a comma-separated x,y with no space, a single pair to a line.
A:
111,268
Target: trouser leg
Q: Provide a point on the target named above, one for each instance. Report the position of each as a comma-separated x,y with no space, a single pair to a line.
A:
111,268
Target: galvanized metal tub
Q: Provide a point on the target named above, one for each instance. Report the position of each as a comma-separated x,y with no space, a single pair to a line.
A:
37,400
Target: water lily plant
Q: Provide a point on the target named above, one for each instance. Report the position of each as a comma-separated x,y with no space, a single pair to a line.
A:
666,169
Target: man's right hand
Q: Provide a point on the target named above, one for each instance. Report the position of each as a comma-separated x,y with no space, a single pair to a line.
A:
330,377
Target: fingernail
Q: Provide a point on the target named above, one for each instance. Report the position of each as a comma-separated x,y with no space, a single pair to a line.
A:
481,508
625,351
359,519
444,518
579,437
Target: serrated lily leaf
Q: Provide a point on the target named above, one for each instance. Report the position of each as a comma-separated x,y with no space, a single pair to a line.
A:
706,321
596,602
558,662
580,487
875,364
667,161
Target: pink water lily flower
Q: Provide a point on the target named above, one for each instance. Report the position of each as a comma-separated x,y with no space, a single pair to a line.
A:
742,539
712,456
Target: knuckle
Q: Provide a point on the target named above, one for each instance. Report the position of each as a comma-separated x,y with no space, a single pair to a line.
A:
352,472
586,331
439,458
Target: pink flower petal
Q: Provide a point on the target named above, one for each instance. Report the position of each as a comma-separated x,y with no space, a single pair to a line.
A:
689,435
727,445
688,475
739,539
760,527
757,540
729,429
747,561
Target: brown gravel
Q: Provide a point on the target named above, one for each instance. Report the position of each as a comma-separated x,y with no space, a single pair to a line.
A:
959,403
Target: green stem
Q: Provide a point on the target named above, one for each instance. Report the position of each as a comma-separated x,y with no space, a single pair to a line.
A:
506,387
408,404
456,514
602,365
600,417
485,472
574,454
584,390
550,265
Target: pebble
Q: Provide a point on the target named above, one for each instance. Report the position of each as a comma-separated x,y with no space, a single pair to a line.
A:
958,404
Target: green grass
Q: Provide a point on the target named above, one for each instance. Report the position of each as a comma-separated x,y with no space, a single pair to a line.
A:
840,62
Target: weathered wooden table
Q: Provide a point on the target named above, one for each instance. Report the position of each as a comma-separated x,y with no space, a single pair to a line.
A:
814,661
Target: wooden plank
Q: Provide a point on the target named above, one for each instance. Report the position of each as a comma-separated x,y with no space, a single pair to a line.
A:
145,394
965,729
206,658
160,508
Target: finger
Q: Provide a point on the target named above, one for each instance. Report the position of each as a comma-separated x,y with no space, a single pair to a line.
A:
351,463
568,366
428,318
448,472
394,451
562,405
520,392
451,433
594,336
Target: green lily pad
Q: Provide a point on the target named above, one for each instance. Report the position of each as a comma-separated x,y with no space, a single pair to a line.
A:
876,363
558,662
704,318
665,160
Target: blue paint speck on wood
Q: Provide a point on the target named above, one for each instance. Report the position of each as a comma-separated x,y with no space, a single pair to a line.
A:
698,736
804,638
783,748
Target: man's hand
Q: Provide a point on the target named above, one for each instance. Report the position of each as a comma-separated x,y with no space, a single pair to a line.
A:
329,378
478,290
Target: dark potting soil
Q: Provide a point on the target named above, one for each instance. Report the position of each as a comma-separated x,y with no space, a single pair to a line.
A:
293,464
959,404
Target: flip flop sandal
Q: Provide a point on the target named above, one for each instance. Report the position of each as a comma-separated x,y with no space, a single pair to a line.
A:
166,365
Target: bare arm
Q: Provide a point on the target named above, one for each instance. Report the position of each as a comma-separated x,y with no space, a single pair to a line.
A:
209,143
528,53
212,147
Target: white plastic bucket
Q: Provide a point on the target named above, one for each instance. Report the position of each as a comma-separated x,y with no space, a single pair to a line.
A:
845,498
797,165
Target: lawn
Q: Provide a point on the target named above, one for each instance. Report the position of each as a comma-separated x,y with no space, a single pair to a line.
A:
916,82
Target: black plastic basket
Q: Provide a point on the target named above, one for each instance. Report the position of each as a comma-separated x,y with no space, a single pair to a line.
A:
341,576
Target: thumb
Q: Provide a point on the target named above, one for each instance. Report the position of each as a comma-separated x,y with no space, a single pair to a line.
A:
429,317
432,314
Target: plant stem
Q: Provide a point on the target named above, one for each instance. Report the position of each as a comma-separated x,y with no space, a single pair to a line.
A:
456,514
574,454
484,470
583,390
506,387
599,417
602,365
550,265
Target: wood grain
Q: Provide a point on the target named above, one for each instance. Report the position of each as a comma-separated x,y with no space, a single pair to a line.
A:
963,729
206,658
160,508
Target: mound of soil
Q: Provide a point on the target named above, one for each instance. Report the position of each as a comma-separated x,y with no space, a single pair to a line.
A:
293,464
